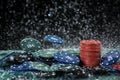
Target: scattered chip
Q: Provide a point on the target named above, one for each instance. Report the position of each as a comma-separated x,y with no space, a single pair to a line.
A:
54,39
6,58
23,67
110,58
43,67
30,44
110,68
34,66
20,58
116,66
66,58
47,53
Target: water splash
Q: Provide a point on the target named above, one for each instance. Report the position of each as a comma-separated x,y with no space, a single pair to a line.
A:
72,19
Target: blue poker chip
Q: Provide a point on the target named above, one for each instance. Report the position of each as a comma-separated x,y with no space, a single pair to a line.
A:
6,58
111,69
54,39
65,57
23,67
33,66
110,58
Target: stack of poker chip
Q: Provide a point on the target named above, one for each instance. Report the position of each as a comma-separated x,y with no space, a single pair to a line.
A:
90,52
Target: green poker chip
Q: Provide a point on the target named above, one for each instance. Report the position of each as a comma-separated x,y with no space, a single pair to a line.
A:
4,53
30,44
43,67
73,51
54,67
39,66
46,53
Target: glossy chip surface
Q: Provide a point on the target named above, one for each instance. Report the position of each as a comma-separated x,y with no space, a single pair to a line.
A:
65,57
110,58
30,44
53,39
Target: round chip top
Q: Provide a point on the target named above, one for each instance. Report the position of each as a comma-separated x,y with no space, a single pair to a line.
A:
30,44
66,58
54,39
90,42
110,58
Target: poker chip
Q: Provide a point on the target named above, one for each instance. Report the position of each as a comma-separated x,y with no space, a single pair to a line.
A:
23,67
73,51
110,68
6,58
20,58
43,67
68,58
46,74
116,66
34,66
53,39
110,58
46,53
90,52
40,66
30,44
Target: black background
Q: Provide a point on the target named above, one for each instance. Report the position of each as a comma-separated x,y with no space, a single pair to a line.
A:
73,20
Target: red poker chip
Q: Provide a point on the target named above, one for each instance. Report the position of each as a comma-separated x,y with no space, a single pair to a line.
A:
116,66
90,52
90,42
92,64
90,57
89,49
83,53
90,61
90,46
84,49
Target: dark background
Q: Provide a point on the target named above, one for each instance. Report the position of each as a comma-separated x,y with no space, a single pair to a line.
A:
73,20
